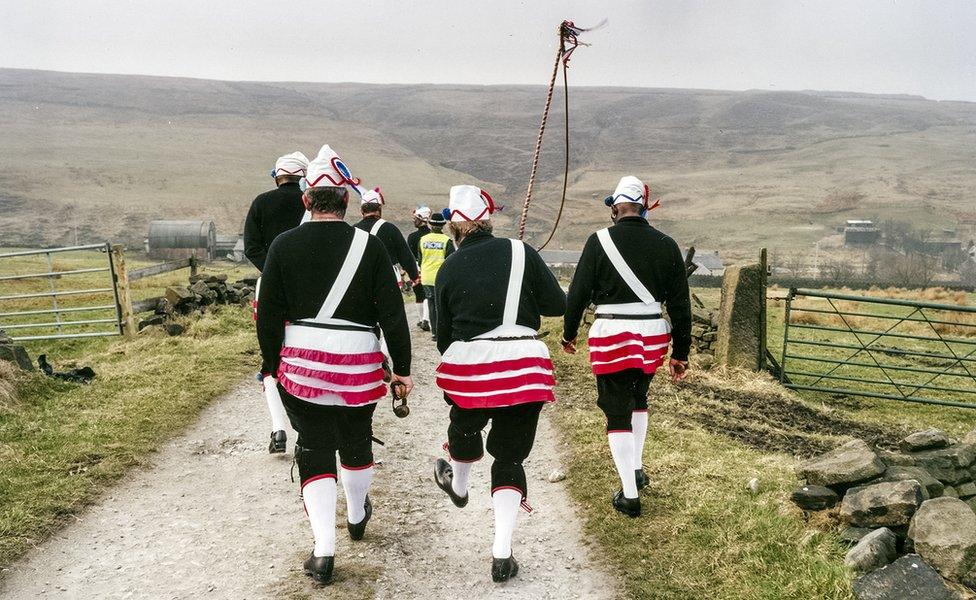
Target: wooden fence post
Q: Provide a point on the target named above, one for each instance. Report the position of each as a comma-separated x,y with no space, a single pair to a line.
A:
122,285
764,266
193,265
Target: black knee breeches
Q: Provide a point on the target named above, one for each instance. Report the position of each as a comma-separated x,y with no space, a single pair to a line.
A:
325,430
510,440
431,295
620,394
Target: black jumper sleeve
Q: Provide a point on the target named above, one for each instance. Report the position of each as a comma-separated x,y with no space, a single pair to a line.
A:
445,318
391,312
580,289
404,256
549,295
255,248
678,304
272,314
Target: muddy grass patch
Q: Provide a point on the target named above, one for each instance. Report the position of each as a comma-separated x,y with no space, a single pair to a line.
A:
743,407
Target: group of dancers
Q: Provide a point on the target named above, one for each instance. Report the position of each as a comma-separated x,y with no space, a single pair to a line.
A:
333,332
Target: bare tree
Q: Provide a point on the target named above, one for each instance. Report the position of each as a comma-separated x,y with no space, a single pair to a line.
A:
795,263
913,270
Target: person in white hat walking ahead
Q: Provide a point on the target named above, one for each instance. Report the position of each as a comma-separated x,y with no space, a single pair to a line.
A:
420,216
373,223
328,290
491,294
271,214
435,247
628,271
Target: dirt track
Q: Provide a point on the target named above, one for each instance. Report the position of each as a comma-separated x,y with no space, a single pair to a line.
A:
217,516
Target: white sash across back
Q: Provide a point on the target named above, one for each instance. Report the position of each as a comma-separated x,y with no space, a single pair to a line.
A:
626,273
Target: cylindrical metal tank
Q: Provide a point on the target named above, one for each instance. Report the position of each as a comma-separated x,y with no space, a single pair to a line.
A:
191,235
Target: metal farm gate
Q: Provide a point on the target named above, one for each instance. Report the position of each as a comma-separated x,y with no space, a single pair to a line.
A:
79,301
880,348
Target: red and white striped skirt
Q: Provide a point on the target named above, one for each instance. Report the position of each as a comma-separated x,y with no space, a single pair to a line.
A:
332,367
492,373
618,344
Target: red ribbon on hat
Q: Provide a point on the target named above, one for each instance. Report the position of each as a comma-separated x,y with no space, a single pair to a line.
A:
647,199
490,208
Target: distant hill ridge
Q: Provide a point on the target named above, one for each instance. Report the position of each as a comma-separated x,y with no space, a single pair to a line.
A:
137,147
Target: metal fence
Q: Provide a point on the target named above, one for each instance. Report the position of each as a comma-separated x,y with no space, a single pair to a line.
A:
64,308
880,348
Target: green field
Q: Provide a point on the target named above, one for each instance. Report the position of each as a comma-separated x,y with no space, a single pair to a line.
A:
62,443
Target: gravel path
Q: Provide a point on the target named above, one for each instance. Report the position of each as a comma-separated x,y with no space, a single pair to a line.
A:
217,517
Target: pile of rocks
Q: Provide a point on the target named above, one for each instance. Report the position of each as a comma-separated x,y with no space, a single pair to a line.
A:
14,353
203,290
917,504
704,327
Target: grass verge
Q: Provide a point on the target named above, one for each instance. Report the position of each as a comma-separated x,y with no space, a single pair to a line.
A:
61,443
703,534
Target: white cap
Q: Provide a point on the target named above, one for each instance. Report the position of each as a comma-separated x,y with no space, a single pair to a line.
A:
291,164
374,196
630,189
327,169
422,212
470,203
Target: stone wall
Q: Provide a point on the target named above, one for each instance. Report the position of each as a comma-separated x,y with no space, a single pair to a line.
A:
919,503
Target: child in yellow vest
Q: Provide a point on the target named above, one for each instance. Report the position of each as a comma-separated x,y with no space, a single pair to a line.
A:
435,247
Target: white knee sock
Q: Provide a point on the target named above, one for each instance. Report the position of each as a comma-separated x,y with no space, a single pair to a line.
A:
622,450
506,504
356,484
320,504
279,418
426,310
460,479
638,422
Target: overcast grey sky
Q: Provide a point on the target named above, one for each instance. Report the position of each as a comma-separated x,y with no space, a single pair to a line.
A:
882,46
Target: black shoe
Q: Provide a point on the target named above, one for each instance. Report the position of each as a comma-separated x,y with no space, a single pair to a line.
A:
358,530
629,506
443,477
319,568
503,569
277,445
642,480
424,325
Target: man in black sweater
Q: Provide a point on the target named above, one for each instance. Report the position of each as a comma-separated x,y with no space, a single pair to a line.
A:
420,217
491,294
372,203
275,211
271,214
328,289
628,271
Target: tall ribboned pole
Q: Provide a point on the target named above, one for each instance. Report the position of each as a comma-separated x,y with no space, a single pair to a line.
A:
542,129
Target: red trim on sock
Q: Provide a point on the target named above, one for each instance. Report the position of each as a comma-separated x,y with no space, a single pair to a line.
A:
507,487
609,431
473,460
317,477
364,467
643,410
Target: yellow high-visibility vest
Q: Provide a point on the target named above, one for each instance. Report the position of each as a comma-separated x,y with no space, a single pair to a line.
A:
433,251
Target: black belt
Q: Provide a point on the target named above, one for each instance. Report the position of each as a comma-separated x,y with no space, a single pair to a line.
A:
628,317
503,339
375,330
